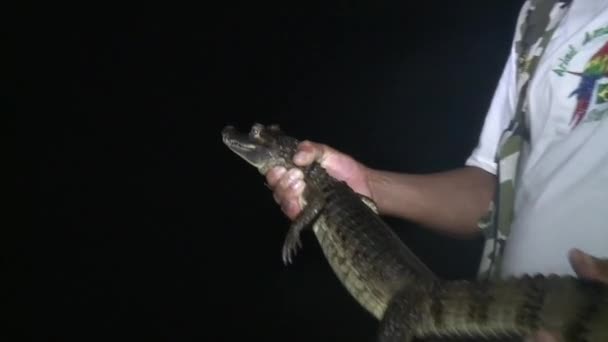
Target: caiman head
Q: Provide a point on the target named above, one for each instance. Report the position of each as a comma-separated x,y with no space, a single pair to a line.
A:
264,147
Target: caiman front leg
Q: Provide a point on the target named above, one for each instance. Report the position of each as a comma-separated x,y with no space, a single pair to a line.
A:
307,216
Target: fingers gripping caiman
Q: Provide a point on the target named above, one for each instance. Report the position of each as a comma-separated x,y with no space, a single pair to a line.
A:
391,283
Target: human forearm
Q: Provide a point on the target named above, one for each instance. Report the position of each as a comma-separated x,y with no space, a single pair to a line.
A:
449,202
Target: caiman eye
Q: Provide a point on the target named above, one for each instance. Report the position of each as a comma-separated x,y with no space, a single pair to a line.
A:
256,130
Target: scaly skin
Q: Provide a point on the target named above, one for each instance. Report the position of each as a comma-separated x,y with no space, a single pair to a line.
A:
390,282
500,310
366,255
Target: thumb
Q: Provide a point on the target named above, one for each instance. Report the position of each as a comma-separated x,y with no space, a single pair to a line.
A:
589,267
309,152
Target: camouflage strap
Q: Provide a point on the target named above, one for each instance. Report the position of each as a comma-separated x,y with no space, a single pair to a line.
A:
535,32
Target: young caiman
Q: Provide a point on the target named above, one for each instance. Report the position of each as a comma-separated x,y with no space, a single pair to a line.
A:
395,286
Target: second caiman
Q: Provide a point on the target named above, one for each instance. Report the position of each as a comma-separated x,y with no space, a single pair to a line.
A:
394,285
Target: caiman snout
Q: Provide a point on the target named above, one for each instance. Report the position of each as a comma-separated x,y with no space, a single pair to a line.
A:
227,130
231,136
263,146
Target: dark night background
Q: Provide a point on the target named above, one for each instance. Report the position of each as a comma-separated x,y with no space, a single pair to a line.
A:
148,227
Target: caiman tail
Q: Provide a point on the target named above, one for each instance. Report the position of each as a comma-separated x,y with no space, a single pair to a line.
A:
500,310
390,282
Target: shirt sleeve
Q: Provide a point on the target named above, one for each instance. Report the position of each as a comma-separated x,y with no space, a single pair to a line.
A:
500,112
502,107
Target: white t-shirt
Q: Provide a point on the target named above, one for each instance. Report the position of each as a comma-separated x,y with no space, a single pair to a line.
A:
562,197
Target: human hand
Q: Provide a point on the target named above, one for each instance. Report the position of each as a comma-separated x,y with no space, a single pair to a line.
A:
288,185
587,267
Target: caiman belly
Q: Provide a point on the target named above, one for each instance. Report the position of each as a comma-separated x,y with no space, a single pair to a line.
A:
366,255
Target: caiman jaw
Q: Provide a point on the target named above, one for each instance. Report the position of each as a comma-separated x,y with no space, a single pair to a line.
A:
248,147
236,140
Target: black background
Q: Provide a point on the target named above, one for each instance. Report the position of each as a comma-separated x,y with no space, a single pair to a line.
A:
148,227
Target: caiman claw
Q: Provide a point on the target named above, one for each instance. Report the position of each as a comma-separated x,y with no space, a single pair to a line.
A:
292,241
291,245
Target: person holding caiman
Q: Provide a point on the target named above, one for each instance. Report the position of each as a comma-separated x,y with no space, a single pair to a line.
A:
536,186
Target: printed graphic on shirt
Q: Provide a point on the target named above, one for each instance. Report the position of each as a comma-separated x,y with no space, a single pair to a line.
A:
592,90
587,92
